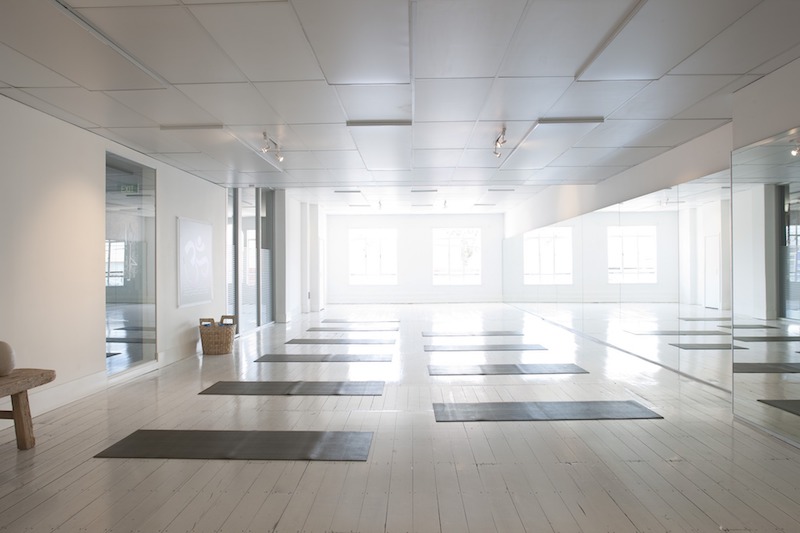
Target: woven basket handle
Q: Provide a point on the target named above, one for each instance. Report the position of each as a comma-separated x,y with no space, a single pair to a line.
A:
228,320
207,322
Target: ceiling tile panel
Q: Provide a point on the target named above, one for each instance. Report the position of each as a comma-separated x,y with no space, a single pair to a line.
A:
765,32
677,132
265,40
670,95
523,98
463,38
42,32
606,157
441,135
474,175
661,35
573,175
350,175
613,133
303,102
544,144
153,139
20,71
169,40
358,41
232,103
556,37
164,106
384,147
486,133
481,158
301,160
594,98
93,106
45,107
324,136
436,158
286,138
196,161
778,61
121,3
376,102
450,100
341,159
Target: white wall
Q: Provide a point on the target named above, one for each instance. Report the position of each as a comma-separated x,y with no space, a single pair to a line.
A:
52,290
415,278
288,257
590,263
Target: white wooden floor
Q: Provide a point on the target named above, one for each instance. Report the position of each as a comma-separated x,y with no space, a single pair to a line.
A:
695,470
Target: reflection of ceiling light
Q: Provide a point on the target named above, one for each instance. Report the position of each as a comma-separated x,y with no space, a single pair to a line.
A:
499,142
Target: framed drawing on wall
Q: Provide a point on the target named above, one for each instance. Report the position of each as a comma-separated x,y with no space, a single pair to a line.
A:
195,280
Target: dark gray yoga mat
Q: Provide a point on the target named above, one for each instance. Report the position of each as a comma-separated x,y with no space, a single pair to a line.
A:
296,388
681,332
474,334
769,338
706,319
347,321
136,328
766,368
345,329
324,358
243,445
482,347
536,411
341,341
693,346
489,370
791,406
749,326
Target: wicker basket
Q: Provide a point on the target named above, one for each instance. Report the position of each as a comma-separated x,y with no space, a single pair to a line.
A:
217,337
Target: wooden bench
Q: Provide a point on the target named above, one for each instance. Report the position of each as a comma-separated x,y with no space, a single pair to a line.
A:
16,385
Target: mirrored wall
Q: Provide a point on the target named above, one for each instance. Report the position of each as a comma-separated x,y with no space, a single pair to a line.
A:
130,261
649,276
766,284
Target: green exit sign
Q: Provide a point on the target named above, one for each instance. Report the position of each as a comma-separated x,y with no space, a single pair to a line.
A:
129,188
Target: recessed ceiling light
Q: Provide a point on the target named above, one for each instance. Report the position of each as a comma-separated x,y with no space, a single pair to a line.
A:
502,190
424,190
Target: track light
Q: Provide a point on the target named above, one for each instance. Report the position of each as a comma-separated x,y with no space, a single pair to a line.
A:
795,150
265,147
270,145
499,142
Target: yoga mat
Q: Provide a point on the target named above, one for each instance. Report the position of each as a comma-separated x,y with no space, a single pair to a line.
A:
352,328
749,326
324,358
243,445
488,370
341,341
538,411
766,368
681,332
129,340
690,346
791,406
706,319
346,321
481,347
474,334
136,328
296,388
772,338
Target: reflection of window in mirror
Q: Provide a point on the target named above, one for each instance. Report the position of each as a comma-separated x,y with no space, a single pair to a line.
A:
456,256
373,256
547,256
632,254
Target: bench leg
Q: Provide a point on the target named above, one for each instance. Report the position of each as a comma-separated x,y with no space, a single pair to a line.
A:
23,424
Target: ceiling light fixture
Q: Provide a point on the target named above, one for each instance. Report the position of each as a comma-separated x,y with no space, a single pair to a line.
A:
270,144
499,142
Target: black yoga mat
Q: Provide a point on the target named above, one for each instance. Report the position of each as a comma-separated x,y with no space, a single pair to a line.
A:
324,358
296,388
341,341
129,340
681,332
706,319
136,328
537,411
749,326
346,321
769,338
691,346
112,354
362,329
486,370
482,347
766,368
791,406
474,334
243,445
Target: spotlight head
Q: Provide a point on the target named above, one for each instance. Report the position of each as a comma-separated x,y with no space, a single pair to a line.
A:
795,151
280,158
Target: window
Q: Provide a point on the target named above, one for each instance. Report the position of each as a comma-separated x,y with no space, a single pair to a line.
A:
632,254
115,263
547,257
373,256
456,256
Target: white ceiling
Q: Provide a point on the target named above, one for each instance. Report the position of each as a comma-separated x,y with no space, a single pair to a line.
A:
389,97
